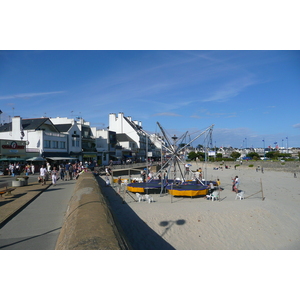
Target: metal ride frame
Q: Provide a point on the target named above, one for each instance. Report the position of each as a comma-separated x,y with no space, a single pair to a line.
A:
175,151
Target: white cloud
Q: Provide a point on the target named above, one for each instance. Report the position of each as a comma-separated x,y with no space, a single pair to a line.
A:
28,95
230,90
167,114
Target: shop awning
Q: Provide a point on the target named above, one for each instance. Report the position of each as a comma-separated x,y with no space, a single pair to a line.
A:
12,159
62,158
38,158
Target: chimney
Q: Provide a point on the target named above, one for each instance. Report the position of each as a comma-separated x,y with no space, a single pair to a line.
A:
16,124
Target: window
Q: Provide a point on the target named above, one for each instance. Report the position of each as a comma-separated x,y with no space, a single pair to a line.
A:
75,142
62,145
54,144
47,144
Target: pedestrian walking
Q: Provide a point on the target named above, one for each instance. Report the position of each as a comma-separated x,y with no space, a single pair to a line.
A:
43,174
54,175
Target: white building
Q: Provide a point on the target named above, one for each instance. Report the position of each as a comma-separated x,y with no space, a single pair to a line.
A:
132,137
82,140
40,135
73,132
106,143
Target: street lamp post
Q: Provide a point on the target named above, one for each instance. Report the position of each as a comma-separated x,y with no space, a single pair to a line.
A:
161,170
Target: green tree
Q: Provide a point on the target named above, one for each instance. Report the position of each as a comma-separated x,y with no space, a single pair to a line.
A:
273,154
253,155
192,155
219,155
235,155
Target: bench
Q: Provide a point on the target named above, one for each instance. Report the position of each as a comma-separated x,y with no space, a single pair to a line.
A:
4,189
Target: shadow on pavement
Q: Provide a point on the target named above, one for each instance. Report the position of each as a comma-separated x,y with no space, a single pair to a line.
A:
18,241
3,202
138,233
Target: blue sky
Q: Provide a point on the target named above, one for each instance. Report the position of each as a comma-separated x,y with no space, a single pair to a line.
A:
248,95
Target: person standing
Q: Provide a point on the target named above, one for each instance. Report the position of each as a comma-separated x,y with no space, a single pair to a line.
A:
233,183
32,169
236,184
43,174
54,175
70,171
67,171
211,187
62,171
144,176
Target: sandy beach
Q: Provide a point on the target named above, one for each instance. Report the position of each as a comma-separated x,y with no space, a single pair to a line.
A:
229,224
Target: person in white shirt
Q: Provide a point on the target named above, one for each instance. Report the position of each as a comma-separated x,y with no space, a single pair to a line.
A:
43,173
54,175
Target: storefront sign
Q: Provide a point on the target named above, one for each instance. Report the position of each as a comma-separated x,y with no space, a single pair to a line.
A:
8,147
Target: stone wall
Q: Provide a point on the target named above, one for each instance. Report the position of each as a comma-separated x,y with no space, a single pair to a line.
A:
89,224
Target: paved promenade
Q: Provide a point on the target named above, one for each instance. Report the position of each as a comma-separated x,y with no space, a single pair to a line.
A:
31,218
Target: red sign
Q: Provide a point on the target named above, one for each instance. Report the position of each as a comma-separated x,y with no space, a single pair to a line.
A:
13,145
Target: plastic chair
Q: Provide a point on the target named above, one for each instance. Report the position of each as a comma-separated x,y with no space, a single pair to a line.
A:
215,195
149,198
139,197
240,195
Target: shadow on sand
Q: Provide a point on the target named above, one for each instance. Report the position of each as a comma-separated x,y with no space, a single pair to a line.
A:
138,233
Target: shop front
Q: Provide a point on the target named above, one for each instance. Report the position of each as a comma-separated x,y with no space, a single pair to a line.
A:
11,152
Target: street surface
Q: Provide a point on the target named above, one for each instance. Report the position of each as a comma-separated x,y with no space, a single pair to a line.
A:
37,226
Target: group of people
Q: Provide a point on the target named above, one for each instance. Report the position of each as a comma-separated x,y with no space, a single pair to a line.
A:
14,169
64,171
17,168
